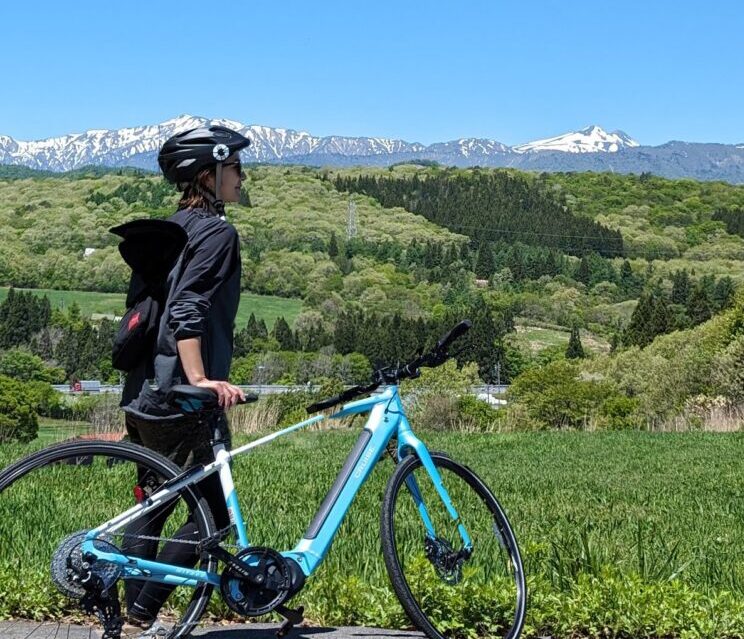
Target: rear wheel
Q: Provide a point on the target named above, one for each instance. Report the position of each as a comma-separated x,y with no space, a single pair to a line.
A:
447,589
49,500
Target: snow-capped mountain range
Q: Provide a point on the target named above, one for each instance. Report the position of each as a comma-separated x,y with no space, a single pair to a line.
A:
591,148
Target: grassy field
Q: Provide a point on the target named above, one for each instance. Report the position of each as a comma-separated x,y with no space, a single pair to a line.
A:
267,307
537,338
623,534
57,430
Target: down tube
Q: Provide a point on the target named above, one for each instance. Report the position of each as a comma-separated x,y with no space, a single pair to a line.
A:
313,547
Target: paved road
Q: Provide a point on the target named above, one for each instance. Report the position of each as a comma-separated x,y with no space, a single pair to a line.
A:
35,630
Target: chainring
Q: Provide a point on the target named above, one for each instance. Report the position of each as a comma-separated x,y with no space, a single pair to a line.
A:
68,565
266,588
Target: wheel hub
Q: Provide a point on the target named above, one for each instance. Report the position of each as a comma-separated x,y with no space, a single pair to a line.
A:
446,560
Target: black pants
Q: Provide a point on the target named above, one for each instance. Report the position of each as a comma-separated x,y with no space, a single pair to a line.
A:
186,443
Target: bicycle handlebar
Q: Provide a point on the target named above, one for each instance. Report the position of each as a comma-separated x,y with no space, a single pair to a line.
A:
436,357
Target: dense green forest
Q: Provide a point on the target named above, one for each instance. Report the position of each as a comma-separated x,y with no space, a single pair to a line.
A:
488,206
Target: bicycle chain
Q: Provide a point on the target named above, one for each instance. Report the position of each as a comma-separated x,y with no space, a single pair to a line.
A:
221,532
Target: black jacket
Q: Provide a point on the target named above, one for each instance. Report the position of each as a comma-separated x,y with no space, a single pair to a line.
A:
204,292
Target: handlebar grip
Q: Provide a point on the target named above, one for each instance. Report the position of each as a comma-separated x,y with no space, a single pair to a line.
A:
249,398
193,399
457,331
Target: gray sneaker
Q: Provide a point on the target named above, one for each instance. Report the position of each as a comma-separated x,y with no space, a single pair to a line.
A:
155,630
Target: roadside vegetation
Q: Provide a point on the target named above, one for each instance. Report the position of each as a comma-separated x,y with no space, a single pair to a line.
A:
623,534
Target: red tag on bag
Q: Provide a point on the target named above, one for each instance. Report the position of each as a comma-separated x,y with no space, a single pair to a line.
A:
133,321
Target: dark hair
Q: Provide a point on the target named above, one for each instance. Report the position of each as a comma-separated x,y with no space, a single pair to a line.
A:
194,194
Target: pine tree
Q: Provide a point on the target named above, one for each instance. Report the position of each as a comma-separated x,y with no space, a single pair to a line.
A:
681,287
637,332
242,343
251,324
282,333
699,306
661,318
583,273
484,264
574,350
628,281
333,246
723,294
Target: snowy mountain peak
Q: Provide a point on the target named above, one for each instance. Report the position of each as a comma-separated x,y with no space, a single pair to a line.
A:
592,139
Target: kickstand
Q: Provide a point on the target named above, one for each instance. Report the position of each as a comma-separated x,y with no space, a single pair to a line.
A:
291,618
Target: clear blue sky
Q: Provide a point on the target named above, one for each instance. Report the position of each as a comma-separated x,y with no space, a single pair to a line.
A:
421,71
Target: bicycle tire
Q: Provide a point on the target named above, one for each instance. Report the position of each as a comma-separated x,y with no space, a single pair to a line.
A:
118,461
431,594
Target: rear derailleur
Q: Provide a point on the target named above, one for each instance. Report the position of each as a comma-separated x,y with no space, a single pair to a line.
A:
93,584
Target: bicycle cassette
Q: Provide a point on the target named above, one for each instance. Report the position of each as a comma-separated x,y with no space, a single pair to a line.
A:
69,569
260,585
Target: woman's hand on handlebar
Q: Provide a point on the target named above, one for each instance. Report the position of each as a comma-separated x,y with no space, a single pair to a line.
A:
227,394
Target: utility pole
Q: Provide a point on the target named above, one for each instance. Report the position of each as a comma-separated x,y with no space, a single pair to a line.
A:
351,223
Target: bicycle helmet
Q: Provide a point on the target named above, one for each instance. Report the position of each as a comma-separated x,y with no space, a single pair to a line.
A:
187,153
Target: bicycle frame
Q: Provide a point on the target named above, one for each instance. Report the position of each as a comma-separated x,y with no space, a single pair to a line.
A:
386,420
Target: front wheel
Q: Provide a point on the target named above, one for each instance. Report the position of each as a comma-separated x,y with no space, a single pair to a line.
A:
451,585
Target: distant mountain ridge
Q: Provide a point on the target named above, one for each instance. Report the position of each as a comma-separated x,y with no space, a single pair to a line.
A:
589,149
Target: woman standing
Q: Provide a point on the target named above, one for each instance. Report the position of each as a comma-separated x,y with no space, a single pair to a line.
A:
194,343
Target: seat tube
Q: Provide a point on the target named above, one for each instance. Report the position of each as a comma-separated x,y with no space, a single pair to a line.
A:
231,497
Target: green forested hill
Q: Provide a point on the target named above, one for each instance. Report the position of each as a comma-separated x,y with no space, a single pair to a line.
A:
659,219
557,250
47,223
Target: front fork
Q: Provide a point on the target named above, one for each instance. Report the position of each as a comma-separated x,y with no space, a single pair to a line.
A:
408,443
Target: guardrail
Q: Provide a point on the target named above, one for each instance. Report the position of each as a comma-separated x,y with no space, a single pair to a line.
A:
484,391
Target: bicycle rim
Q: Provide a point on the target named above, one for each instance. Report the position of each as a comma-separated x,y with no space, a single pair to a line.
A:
60,492
446,588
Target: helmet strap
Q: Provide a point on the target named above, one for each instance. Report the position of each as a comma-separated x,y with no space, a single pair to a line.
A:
219,205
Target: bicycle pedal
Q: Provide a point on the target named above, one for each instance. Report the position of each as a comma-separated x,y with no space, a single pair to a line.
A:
291,618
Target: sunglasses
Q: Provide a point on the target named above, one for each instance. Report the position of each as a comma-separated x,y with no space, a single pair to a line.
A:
236,164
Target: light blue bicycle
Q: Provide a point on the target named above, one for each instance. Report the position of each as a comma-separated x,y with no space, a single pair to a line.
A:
450,552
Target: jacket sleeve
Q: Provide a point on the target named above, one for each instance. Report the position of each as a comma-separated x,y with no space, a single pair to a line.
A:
210,263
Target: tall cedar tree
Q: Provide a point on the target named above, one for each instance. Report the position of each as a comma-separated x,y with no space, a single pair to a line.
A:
574,350
282,333
699,305
583,274
333,246
681,287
